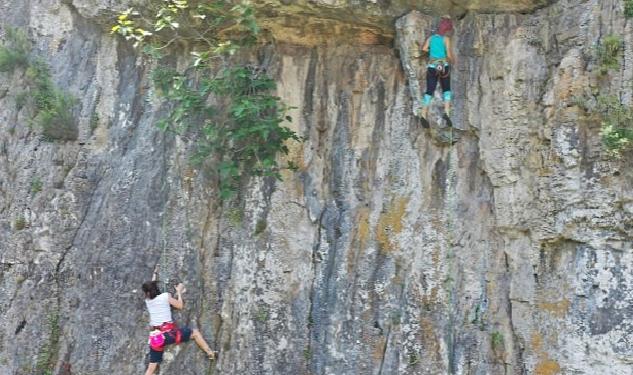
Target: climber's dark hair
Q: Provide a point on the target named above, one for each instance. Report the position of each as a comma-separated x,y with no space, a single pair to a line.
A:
150,288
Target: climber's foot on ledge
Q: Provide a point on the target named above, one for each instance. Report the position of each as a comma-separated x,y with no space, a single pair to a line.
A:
425,124
422,113
447,119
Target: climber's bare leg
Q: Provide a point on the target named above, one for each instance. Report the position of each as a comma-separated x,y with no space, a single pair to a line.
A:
151,368
197,337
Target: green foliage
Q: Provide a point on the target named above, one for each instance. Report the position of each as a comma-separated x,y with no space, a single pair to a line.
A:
94,121
19,223
52,108
414,358
36,185
47,356
21,99
396,318
260,226
243,139
262,314
628,8
307,354
15,51
496,341
609,53
235,216
616,125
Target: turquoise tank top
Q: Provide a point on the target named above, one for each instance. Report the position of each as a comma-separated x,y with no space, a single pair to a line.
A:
437,49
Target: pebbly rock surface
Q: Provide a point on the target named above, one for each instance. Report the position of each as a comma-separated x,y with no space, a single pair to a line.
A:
387,252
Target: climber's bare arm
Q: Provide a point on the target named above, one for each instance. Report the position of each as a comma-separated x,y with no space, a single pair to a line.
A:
151,368
449,51
177,302
155,274
425,47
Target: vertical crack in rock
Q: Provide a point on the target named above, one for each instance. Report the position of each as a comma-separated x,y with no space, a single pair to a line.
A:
313,335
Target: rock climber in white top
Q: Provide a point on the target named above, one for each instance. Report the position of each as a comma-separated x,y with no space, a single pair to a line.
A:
164,330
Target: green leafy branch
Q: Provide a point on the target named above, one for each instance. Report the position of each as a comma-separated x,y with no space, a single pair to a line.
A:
213,27
242,140
239,136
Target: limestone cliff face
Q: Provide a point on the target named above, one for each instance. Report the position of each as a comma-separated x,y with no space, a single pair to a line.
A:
388,252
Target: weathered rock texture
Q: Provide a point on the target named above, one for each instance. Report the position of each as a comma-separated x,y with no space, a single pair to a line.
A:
386,253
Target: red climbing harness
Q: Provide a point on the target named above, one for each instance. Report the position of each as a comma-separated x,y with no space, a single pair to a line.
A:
157,336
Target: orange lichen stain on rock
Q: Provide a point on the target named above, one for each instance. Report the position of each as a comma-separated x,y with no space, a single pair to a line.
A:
547,367
558,309
390,224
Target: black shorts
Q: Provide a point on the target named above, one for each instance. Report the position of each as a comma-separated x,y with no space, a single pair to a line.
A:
170,339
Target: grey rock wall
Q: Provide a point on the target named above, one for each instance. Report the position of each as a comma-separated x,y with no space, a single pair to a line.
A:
385,253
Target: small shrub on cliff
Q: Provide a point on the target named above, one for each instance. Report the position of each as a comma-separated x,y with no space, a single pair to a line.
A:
628,8
51,107
617,125
19,223
496,341
36,185
14,52
609,53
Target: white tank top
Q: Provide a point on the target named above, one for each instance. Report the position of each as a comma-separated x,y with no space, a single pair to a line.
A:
159,309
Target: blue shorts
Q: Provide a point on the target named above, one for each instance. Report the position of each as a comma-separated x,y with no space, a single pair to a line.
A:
170,339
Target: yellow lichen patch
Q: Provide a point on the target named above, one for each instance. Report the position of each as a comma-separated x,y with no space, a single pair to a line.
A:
188,176
295,154
390,224
435,256
378,349
432,346
558,309
430,299
363,227
547,367
537,341
294,157
315,31
360,238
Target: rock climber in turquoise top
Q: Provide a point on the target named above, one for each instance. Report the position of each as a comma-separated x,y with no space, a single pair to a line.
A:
441,59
